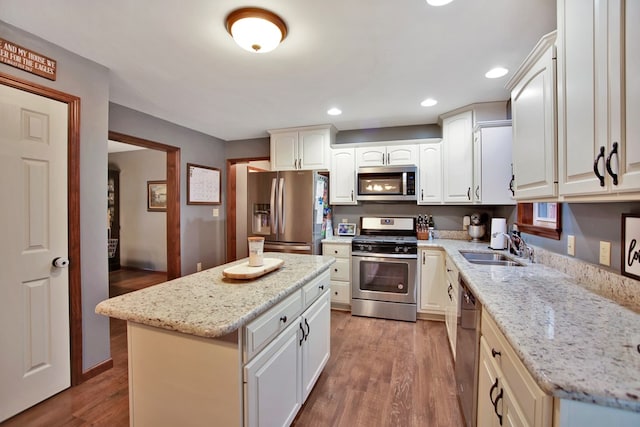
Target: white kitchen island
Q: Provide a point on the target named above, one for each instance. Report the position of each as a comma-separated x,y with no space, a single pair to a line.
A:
206,350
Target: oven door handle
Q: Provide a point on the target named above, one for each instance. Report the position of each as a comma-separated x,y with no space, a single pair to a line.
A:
376,257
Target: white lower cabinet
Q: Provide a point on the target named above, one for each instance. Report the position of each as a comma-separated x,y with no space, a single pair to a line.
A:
340,273
433,290
279,379
507,394
272,389
451,310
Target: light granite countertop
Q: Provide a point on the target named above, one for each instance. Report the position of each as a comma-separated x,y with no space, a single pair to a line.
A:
206,304
576,344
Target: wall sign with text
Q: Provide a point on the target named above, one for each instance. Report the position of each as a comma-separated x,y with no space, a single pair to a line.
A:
27,60
631,245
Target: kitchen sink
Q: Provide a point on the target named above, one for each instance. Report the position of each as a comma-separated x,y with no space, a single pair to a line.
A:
490,258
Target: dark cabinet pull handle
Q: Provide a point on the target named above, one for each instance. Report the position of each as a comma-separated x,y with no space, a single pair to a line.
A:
469,193
607,164
335,269
321,287
283,319
308,329
512,182
595,166
495,353
335,251
478,192
498,397
303,335
495,405
638,348
421,194
352,195
335,293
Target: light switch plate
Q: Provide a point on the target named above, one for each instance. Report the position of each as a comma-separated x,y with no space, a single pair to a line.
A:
216,212
571,245
605,253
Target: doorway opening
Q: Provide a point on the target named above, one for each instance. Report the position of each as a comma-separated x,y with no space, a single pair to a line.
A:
173,264
236,203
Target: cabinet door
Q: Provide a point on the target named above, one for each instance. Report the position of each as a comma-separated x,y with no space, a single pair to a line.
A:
342,179
493,170
284,151
316,345
582,95
458,157
313,149
625,91
370,156
273,395
433,295
430,182
534,136
398,155
490,388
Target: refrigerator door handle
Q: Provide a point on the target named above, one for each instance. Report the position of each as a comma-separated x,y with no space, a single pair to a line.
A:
281,205
272,210
276,247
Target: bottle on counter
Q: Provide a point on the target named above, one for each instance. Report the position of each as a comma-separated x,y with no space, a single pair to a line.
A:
431,227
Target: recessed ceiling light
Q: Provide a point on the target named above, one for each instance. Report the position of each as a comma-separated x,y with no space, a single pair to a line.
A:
429,102
438,2
495,73
334,111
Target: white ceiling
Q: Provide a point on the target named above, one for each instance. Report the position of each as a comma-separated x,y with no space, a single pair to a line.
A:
374,59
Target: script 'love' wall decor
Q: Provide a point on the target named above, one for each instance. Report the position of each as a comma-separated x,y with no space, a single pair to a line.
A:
630,265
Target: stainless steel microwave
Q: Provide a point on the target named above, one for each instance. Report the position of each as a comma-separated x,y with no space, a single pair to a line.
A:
387,184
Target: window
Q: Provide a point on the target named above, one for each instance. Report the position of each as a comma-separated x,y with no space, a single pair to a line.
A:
540,219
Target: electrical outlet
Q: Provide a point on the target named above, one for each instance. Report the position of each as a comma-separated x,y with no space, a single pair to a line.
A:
605,253
571,245
216,212
199,266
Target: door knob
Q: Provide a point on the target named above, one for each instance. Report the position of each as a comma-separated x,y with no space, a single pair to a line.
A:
60,262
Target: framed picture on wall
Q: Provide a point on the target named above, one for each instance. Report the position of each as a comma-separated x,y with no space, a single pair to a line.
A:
203,185
157,196
630,264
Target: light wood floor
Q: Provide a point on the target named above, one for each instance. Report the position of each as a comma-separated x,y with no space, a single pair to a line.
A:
381,373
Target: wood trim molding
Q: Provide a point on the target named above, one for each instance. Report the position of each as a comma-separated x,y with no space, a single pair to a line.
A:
525,222
73,186
174,264
97,370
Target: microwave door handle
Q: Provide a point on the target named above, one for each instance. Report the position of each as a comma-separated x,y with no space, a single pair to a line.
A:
281,205
272,209
404,183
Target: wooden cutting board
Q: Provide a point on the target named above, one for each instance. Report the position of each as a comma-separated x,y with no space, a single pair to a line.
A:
244,272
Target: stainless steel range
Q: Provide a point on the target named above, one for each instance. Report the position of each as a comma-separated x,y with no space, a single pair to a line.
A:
385,265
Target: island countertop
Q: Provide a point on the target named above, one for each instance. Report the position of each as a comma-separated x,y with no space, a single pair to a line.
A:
207,304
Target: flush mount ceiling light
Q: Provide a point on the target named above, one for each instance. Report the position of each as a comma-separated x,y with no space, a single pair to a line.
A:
495,73
429,102
256,30
438,2
334,111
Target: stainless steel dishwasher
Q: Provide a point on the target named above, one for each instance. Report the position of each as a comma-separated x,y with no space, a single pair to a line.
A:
467,350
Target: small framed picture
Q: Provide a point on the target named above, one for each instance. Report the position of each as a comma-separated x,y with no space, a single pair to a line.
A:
346,229
630,264
157,196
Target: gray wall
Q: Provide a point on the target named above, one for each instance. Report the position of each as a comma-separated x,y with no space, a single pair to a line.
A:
202,234
143,234
89,81
248,148
590,223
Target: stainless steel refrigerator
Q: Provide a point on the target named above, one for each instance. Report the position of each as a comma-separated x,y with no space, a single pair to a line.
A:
287,209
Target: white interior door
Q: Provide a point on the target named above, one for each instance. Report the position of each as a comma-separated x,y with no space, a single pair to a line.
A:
34,295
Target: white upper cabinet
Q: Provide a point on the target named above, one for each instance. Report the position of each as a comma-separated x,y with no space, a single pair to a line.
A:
430,173
492,169
533,108
598,97
390,155
457,140
302,148
342,179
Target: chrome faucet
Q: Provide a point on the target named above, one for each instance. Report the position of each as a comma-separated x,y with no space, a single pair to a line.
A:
520,248
510,243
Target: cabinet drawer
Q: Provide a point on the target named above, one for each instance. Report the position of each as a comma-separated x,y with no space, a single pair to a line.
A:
315,288
340,292
495,339
261,330
341,270
338,251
